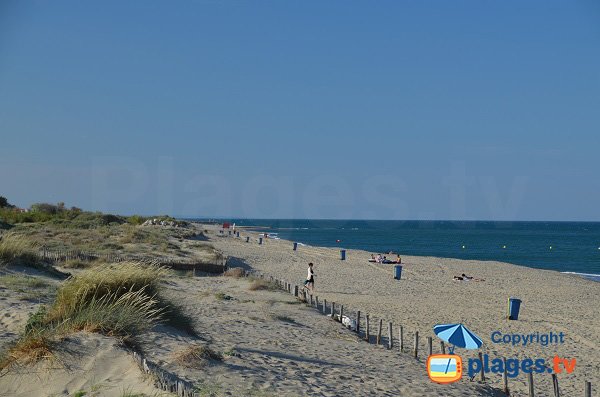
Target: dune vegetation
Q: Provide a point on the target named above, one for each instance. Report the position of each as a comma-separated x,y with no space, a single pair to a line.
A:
122,300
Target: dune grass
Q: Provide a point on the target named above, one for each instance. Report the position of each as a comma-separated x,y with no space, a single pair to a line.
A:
257,285
17,250
196,356
122,300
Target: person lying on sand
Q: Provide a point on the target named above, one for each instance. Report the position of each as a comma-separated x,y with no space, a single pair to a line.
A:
464,277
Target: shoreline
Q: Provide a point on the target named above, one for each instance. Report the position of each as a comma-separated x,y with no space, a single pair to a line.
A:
426,295
594,277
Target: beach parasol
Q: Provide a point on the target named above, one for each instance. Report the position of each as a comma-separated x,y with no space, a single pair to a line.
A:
458,335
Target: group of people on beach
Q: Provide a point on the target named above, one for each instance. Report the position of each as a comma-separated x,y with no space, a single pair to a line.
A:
379,258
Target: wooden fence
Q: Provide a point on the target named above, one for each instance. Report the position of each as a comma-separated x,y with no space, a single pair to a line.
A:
66,255
165,380
364,330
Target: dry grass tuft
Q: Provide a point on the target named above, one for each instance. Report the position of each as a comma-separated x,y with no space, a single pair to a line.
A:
28,350
120,300
17,250
262,285
236,272
196,356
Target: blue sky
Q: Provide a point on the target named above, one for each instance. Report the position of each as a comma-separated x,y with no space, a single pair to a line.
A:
340,109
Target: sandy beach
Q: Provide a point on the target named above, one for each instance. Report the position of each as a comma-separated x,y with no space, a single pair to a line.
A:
427,295
266,342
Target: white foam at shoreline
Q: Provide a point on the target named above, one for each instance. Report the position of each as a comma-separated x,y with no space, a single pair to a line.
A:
589,276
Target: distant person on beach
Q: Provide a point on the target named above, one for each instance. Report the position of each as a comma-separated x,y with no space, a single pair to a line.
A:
398,260
309,283
464,277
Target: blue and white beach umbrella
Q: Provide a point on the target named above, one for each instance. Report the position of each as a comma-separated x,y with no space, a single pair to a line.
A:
458,335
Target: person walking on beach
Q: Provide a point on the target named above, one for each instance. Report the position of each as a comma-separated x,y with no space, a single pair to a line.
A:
309,284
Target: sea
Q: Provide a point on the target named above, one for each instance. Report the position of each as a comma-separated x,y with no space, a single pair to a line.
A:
569,247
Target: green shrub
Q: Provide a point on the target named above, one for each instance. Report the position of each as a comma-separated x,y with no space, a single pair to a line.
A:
136,220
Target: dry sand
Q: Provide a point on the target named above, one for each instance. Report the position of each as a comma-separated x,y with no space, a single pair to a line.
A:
427,296
275,346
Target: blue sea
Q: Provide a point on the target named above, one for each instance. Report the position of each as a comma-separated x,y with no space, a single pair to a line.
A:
572,247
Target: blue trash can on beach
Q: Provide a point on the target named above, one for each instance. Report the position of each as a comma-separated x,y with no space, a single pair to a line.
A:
295,246
247,239
397,272
237,234
259,240
514,305
343,255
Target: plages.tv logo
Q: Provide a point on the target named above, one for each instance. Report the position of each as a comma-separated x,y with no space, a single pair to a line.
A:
447,368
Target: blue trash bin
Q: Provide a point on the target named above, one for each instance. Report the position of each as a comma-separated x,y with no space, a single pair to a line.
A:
295,246
514,305
343,255
237,234
259,240
247,239
397,272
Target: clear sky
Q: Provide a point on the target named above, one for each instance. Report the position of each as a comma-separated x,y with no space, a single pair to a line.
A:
304,109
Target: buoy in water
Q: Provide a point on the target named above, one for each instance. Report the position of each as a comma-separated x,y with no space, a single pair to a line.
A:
550,247
338,241
465,247
504,246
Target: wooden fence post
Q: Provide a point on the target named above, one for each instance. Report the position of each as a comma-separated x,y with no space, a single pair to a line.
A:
325,306
341,312
416,348
555,385
401,339
442,347
588,389
358,322
311,299
379,331
333,310
295,290
429,346
367,337
482,373
530,385
505,378
390,336
317,302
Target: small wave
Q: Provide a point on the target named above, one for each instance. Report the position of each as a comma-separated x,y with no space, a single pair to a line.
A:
590,276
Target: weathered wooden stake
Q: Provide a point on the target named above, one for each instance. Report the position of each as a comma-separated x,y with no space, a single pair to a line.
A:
416,348
429,346
341,312
367,337
555,385
530,384
317,302
379,331
333,310
358,322
588,389
482,373
325,306
390,336
505,378
401,339
311,299
295,290
442,347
